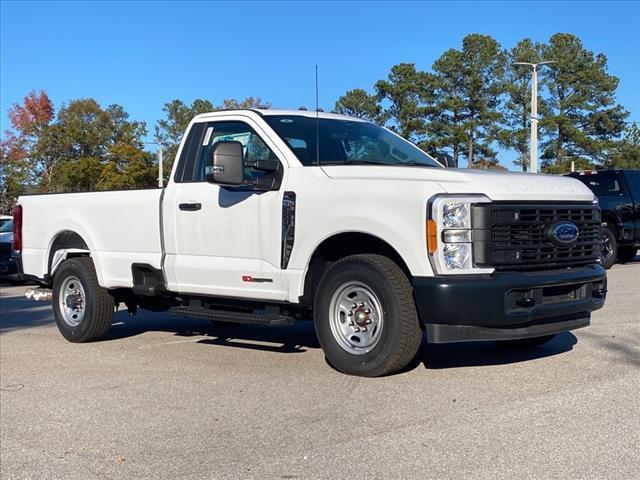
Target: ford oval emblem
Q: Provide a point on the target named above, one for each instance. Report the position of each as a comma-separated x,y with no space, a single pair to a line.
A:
564,233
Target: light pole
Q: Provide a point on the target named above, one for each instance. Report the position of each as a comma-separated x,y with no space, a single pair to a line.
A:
160,160
533,155
573,162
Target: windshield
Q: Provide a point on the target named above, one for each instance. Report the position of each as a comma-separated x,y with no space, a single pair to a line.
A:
7,226
345,142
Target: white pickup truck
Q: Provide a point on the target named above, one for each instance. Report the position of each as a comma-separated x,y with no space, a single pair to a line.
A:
275,216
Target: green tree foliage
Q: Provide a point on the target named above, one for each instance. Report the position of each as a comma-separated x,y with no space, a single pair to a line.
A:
361,104
96,149
584,119
474,99
249,102
515,131
483,68
465,112
579,163
406,91
85,147
471,101
169,130
626,153
446,114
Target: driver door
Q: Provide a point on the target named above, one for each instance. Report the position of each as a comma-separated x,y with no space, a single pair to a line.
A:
222,241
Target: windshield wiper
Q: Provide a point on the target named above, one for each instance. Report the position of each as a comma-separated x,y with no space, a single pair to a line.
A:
416,164
371,162
355,162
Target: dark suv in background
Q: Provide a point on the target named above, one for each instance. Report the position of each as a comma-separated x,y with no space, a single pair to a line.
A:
619,195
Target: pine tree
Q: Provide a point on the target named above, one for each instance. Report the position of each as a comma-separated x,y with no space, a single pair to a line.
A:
584,119
361,104
446,113
626,152
468,86
406,91
483,68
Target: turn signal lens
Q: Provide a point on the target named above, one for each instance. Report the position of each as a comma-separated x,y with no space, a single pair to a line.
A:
432,236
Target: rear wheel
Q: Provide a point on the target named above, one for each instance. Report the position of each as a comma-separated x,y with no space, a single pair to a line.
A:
365,316
525,342
82,308
627,254
609,247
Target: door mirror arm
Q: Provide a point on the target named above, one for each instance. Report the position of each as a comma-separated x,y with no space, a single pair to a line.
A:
263,165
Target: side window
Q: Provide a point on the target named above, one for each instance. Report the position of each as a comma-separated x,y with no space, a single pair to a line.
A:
633,182
254,147
603,185
184,171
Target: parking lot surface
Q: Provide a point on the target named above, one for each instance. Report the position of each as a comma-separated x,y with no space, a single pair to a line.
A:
167,397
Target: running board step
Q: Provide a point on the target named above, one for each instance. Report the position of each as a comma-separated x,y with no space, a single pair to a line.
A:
235,317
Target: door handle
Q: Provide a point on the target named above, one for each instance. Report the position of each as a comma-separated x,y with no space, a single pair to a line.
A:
190,207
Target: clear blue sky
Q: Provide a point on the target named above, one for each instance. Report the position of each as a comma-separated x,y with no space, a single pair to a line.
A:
143,54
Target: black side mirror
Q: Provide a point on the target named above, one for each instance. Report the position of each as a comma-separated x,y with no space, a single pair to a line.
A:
227,164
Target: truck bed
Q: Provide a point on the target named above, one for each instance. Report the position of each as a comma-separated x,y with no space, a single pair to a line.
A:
119,227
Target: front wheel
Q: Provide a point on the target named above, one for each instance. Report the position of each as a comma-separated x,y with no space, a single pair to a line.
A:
609,247
365,316
82,308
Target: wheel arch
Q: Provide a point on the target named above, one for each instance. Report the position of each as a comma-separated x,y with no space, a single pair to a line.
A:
340,245
71,242
611,219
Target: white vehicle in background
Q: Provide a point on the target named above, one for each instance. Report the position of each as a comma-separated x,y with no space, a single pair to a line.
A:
271,216
5,219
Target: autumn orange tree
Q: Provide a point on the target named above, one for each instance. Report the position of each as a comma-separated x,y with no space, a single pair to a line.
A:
18,166
82,147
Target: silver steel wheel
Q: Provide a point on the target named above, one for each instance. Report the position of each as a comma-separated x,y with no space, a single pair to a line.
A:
72,301
355,317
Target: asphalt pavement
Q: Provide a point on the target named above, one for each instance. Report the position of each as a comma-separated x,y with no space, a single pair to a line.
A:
166,398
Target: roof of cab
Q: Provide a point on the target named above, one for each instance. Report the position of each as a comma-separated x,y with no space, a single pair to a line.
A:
300,113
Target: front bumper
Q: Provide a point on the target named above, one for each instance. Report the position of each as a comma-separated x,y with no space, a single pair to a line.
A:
509,305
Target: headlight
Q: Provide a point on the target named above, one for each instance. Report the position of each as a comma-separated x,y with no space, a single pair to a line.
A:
457,255
456,215
450,234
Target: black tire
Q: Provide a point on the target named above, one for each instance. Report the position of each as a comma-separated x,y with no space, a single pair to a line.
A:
609,247
400,336
98,307
525,342
627,254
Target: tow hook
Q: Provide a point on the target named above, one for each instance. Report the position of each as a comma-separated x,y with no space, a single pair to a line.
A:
38,294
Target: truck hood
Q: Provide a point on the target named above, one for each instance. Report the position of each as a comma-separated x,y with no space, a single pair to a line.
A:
495,185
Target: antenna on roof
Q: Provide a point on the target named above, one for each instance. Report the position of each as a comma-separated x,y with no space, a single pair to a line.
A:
317,123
